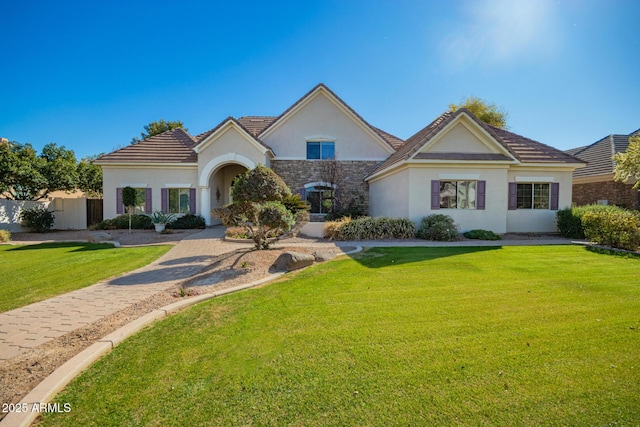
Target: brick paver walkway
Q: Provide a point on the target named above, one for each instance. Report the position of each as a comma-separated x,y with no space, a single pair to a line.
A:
38,323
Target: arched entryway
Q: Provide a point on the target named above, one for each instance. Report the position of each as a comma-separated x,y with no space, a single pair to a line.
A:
215,182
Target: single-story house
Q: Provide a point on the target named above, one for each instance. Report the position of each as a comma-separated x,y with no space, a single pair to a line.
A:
594,183
484,177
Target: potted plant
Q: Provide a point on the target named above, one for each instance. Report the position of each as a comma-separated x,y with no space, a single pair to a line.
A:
161,219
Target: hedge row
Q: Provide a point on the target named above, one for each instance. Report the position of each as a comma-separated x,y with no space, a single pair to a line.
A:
369,229
433,227
604,225
143,222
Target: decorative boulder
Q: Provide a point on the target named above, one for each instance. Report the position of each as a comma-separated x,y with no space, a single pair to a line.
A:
99,236
290,261
324,255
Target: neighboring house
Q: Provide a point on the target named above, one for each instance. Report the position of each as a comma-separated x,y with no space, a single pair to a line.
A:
594,183
482,176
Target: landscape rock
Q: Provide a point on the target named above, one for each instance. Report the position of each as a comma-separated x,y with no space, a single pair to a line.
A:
289,261
99,236
324,255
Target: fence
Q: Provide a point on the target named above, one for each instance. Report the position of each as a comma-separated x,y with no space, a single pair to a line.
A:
70,214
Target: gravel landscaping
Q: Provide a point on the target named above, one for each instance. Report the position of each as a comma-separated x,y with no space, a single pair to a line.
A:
21,374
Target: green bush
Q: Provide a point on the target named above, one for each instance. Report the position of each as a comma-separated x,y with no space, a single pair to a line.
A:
569,220
187,222
5,236
481,235
37,219
295,204
121,222
617,229
438,227
370,229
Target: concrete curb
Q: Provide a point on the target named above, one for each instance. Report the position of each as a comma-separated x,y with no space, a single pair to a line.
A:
47,389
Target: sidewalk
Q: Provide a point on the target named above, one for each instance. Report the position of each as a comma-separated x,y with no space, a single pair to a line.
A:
33,325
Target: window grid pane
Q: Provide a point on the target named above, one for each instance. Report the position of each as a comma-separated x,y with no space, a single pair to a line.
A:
541,196
179,200
458,194
313,150
328,150
524,196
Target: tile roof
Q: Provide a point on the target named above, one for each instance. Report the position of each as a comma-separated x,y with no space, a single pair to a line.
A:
172,146
599,154
529,151
256,124
523,149
208,133
414,143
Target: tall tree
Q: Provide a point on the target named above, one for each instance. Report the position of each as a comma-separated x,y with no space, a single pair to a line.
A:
627,164
156,128
90,176
26,176
488,113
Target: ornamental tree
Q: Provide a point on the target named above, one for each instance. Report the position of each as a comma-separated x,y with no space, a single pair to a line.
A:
258,196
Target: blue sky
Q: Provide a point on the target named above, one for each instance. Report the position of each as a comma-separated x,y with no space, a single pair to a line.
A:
89,75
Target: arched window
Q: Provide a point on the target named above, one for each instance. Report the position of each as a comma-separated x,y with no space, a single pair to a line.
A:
320,196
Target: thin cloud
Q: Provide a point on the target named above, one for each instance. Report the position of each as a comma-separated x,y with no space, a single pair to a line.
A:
499,32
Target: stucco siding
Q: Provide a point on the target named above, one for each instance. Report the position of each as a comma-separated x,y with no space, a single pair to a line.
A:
493,217
539,220
459,139
230,141
389,196
155,178
321,117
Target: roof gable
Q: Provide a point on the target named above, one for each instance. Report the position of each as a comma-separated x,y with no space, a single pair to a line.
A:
462,135
501,145
172,146
230,123
384,139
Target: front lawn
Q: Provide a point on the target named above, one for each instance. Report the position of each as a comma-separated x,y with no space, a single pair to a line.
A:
397,336
31,273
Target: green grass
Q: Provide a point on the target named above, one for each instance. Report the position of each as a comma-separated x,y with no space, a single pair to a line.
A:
528,336
32,273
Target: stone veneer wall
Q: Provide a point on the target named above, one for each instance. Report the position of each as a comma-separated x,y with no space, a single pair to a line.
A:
297,173
616,193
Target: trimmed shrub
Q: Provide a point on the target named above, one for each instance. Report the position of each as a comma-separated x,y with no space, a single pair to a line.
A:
617,229
438,227
187,222
482,235
5,236
37,219
370,229
121,222
569,220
